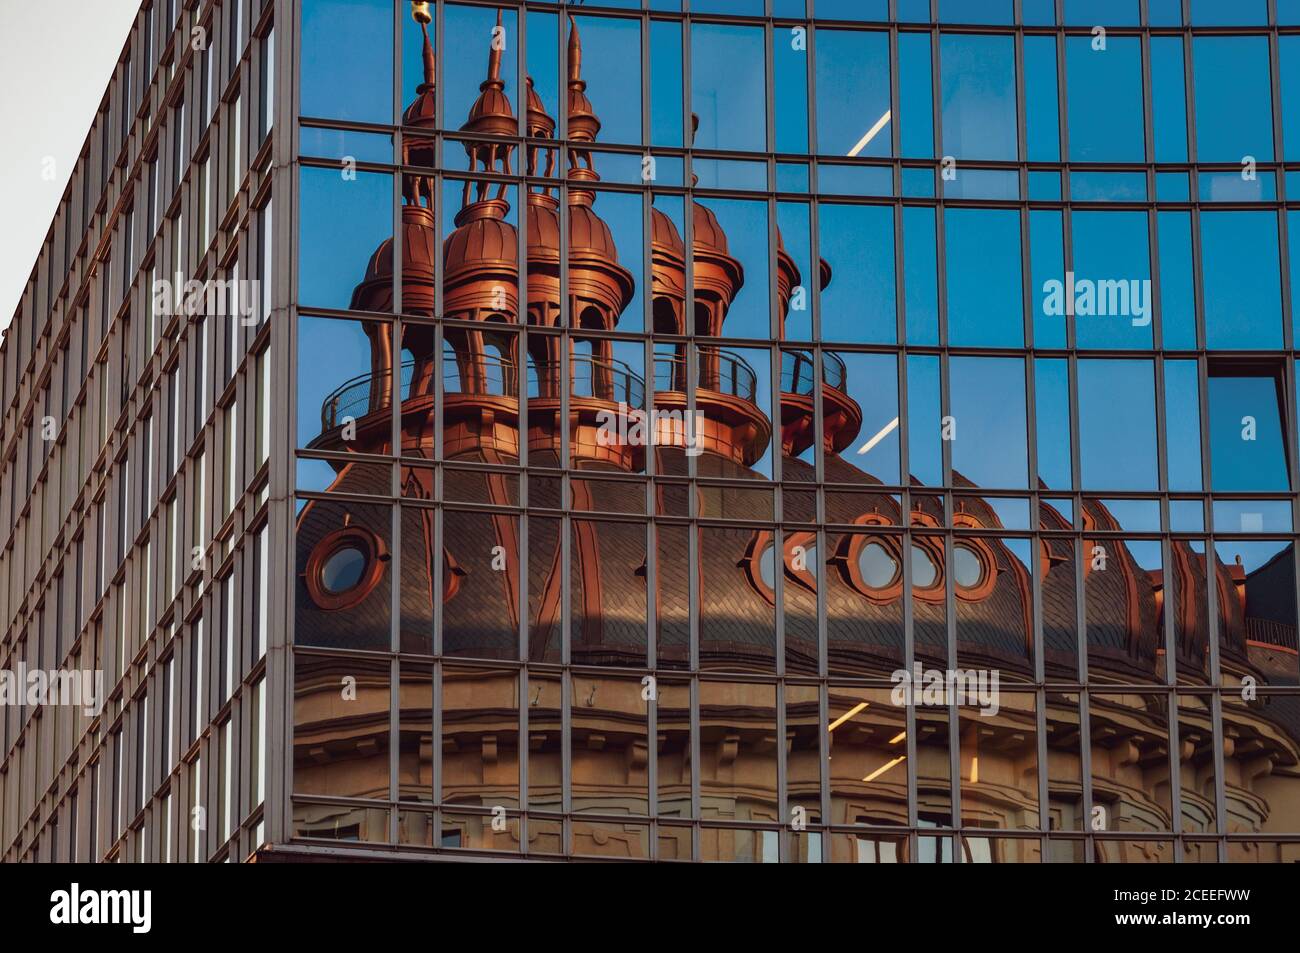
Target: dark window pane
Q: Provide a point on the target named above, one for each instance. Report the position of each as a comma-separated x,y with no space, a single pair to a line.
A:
1247,449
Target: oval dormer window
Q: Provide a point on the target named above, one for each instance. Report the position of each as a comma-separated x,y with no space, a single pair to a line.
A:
877,565
967,567
345,567
924,572
343,571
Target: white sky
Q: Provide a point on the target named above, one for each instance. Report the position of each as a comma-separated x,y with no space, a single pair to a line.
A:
55,60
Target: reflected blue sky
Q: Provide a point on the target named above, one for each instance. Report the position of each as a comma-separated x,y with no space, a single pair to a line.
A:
978,78
347,72
342,222
987,400
852,91
1112,246
859,306
728,87
1104,87
985,304
1117,434
1233,120
1242,284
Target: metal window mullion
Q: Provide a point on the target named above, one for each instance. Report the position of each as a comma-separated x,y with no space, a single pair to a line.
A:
1037,648
1212,609
909,602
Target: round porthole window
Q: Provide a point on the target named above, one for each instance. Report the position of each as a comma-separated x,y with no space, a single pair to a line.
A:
767,566
967,569
343,571
924,571
344,567
877,566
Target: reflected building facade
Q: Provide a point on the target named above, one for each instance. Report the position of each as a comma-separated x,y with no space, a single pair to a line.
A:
641,581
665,390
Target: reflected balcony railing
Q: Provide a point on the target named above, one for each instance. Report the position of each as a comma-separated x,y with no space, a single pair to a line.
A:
355,398
589,376
722,371
797,372
490,375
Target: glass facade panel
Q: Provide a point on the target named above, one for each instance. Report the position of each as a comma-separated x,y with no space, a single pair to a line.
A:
670,435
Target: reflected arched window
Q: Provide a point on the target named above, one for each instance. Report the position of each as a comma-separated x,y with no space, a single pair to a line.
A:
665,317
406,372
498,364
451,382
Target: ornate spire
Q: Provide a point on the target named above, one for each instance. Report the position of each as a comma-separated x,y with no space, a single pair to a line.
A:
490,115
540,126
421,15
583,124
422,112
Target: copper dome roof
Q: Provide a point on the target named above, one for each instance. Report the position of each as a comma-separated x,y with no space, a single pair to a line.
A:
419,261
482,238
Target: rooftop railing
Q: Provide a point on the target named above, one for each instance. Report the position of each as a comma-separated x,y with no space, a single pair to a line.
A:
797,372
487,374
